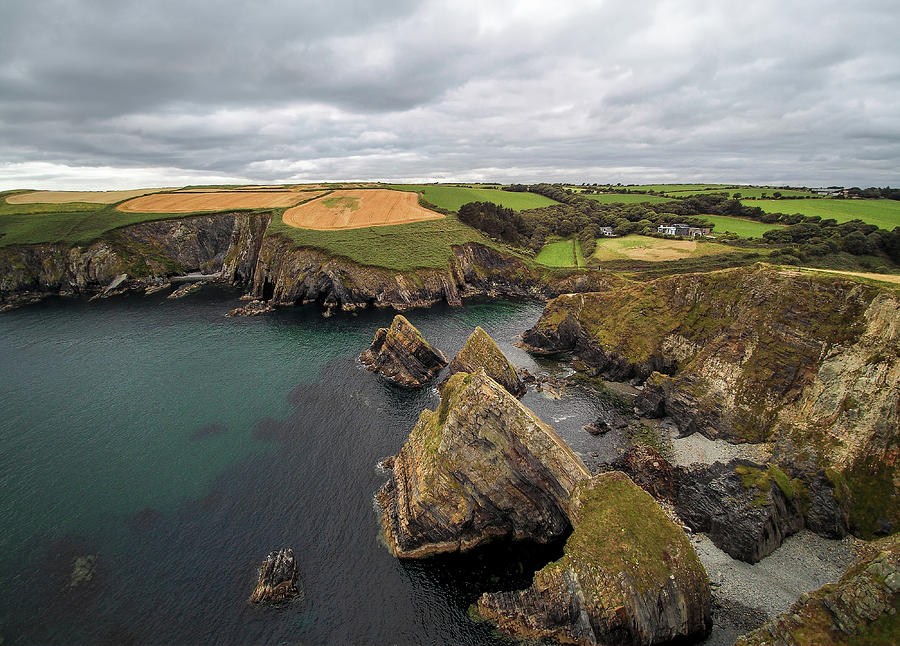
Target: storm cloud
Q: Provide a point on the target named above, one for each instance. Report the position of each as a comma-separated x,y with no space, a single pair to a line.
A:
106,93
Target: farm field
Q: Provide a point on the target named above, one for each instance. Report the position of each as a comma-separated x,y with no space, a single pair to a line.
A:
638,247
882,213
453,197
89,197
670,188
219,201
748,191
627,198
561,253
739,226
357,209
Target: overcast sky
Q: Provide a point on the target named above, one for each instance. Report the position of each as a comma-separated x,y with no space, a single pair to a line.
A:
117,94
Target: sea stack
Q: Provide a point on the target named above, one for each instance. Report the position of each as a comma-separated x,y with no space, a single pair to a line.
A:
481,466
628,575
277,578
400,353
480,351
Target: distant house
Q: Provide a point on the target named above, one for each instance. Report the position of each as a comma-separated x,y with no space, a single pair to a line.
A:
607,232
831,191
684,230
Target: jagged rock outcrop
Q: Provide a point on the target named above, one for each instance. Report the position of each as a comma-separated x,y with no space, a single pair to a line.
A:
480,351
480,466
747,510
277,578
400,353
628,576
861,608
809,361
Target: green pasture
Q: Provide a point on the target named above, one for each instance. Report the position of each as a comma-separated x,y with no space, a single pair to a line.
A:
739,226
882,213
560,253
747,191
452,197
627,198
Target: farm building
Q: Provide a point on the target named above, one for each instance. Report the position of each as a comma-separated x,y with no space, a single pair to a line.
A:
684,230
607,232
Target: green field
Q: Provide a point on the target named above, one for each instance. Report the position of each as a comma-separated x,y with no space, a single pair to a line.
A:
668,188
646,248
747,191
882,213
561,253
627,198
739,226
71,223
453,197
403,247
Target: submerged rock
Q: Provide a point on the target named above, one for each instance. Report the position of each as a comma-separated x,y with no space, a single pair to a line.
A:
277,577
83,570
480,351
481,466
628,576
861,608
402,354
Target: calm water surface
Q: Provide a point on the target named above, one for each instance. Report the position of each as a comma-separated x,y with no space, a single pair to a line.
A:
179,447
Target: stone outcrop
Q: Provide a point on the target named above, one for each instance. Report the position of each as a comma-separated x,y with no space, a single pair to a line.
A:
628,576
481,466
747,510
277,578
861,608
400,353
809,361
480,351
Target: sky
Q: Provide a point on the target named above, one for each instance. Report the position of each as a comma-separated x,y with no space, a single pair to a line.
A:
103,94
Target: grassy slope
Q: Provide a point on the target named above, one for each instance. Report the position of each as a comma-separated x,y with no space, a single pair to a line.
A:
883,213
453,197
557,254
740,226
623,198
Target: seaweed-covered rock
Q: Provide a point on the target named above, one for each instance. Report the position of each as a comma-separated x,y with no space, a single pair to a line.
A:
628,576
481,466
402,354
861,608
480,351
277,578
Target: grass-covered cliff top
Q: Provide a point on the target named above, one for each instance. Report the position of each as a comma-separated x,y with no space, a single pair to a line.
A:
620,529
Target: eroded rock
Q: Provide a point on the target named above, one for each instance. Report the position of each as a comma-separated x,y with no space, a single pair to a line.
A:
401,354
480,351
277,578
481,466
628,576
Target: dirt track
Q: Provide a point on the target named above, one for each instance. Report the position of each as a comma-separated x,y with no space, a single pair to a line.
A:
92,197
355,209
221,201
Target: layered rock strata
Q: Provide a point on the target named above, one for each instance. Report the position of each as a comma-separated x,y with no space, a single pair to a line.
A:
277,578
481,466
400,353
628,576
480,351
861,608
809,361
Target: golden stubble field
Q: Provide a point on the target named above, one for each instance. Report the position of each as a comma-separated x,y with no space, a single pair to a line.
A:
216,201
91,197
355,209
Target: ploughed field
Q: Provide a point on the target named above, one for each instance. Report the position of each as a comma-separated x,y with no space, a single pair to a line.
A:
356,209
218,201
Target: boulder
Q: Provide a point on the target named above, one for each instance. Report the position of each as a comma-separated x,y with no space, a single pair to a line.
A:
628,575
400,353
861,608
480,466
480,351
277,578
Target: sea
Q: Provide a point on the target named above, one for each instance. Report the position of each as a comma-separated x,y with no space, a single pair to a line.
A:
153,452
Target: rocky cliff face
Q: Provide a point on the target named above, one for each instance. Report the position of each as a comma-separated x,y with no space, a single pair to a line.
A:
481,352
628,576
277,578
400,353
861,608
481,466
751,354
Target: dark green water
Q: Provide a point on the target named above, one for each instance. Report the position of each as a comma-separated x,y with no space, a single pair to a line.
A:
178,447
